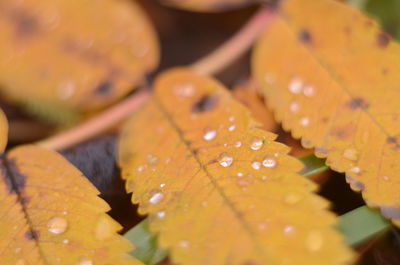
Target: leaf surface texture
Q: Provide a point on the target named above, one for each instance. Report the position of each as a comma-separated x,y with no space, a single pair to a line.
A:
50,214
330,74
71,51
218,189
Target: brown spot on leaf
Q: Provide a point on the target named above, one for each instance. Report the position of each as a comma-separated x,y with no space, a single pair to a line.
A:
341,133
393,142
205,103
383,39
26,24
32,235
357,103
305,36
104,88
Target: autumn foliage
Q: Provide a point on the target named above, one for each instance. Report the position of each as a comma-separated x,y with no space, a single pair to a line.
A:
214,168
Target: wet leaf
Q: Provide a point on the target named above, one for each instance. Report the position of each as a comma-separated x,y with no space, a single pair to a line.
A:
71,60
218,189
50,214
209,5
332,81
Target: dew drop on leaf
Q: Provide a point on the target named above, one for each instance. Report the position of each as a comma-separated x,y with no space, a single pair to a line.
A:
256,143
238,144
309,91
304,121
256,165
184,90
84,261
288,230
231,128
296,85
153,160
269,162
351,154
209,134
156,197
292,198
161,214
20,262
57,225
294,106
184,244
103,229
225,160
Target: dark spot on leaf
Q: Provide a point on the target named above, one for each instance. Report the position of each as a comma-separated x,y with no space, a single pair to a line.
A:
341,133
305,36
393,142
25,24
195,151
32,235
385,71
383,39
104,87
205,103
324,119
357,103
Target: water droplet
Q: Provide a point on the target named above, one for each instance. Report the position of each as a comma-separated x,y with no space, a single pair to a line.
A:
20,262
288,230
57,225
66,89
161,214
314,241
309,91
84,261
304,121
351,154
140,168
256,165
103,229
156,197
256,143
65,241
153,160
168,160
162,185
231,128
240,174
238,144
184,244
292,198
225,145
269,162
17,250
225,160
65,212
355,170
264,178
209,134
231,118
386,178
294,106
184,90
296,85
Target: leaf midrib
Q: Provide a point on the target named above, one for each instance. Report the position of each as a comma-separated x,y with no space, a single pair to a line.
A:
220,190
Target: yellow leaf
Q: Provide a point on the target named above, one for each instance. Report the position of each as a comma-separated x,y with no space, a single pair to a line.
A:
50,214
73,54
209,5
218,189
330,74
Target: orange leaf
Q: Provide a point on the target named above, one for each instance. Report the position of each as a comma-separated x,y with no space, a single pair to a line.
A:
218,189
50,214
330,74
209,5
73,54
